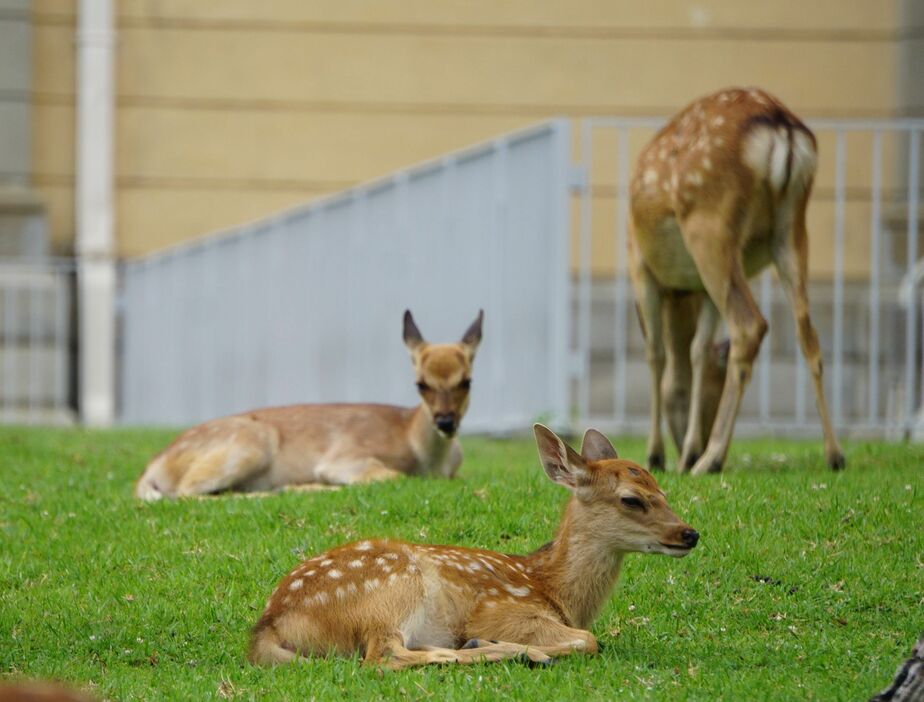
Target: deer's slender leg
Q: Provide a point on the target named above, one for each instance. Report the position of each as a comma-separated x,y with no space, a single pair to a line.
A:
648,296
693,441
678,376
790,256
713,246
394,655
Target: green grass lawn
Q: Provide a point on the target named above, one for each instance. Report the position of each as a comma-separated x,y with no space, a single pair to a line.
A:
806,584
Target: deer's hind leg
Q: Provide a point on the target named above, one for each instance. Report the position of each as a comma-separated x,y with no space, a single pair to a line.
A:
696,433
713,244
233,454
648,305
790,256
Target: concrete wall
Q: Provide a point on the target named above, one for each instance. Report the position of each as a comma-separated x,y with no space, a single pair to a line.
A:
231,110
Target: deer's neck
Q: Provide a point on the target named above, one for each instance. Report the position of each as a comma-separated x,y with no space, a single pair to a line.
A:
431,447
577,569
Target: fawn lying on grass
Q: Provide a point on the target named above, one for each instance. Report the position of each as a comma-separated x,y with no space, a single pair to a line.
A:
400,604
334,444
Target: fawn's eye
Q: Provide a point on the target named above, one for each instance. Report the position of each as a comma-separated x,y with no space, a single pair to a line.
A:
466,383
633,502
422,386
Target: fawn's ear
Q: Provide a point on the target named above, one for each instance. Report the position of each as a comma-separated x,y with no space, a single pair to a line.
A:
562,464
596,447
412,337
472,336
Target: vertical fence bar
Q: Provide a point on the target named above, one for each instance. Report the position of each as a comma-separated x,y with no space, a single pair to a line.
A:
584,282
839,200
914,149
766,307
36,313
10,343
875,234
60,341
620,341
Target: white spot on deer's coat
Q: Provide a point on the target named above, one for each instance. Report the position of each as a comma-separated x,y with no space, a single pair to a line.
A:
392,578
694,178
322,598
707,163
517,591
355,564
334,573
364,546
351,588
380,561
326,562
718,121
339,593
370,585
651,176
310,573
392,556
295,585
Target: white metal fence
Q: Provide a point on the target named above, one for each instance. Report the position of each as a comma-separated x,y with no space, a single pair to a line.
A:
865,204
306,306
36,360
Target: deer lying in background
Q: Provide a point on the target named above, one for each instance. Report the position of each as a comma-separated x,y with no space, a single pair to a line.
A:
333,444
719,193
400,604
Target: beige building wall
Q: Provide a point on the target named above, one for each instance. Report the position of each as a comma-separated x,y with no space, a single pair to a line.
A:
227,111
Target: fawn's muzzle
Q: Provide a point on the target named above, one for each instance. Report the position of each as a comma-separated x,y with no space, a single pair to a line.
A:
690,537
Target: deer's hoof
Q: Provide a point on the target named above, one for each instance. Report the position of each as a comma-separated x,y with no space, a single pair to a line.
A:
707,465
688,460
836,461
655,461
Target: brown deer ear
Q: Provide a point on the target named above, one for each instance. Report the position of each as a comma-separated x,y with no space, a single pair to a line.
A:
562,464
412,337
472,335
596,447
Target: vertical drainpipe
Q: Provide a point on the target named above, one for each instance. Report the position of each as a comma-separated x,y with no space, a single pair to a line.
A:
94,213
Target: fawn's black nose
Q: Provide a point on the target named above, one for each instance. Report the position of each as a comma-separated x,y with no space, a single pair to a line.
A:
690,537
446,423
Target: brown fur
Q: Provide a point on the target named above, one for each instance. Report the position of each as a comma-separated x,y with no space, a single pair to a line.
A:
400,604
333,444
719,193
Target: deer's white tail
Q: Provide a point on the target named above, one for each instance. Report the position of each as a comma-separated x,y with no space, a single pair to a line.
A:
782,155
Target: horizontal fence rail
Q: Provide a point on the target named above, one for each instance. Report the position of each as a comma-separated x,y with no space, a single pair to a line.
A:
36,341
306,306
864,287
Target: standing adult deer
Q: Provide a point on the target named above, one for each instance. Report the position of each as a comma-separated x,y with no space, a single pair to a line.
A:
400,604
332,444
719,193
